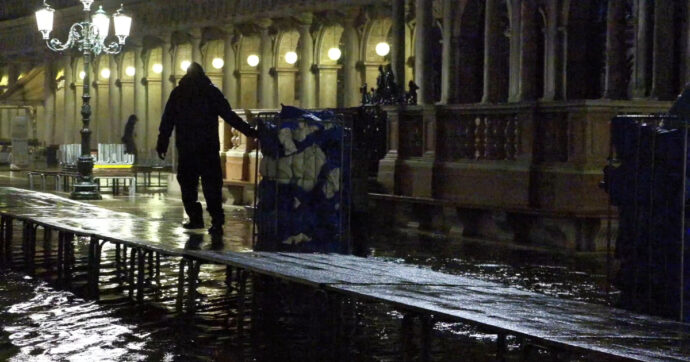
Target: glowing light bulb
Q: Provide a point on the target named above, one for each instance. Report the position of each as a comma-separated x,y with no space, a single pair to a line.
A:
130,71
105,73
253,60
82,75
382,49
185,64
291,57
217,63
334,53
157,68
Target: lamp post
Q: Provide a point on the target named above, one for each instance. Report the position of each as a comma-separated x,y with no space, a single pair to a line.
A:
89,37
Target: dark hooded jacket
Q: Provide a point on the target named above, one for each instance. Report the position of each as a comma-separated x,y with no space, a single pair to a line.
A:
192,110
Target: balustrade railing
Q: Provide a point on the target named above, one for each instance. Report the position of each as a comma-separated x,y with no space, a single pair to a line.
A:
480,134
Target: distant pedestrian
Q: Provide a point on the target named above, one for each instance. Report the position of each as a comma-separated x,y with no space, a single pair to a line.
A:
129,136
192,110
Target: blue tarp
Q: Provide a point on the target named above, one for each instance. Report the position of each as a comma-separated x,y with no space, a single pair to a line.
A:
304,219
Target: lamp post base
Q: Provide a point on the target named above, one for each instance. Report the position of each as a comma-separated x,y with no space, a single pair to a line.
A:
85,191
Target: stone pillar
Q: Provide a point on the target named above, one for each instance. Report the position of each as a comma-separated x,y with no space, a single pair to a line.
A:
13,73
266,83
307,90
230,66
528,53
641,75
49,103
616,86
552,87
663,86
492,34
167,62
71,121
352,77
398,45
448,15
422,65
140,100
195,40
516,44
114,96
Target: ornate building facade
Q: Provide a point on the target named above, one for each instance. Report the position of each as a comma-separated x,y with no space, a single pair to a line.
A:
511,130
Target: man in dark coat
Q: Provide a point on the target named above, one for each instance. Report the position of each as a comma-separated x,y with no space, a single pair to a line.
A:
192,110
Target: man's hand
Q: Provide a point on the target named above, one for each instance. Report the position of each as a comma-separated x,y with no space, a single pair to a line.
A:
161,155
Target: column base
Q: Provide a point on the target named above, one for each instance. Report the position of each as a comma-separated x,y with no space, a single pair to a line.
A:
85,191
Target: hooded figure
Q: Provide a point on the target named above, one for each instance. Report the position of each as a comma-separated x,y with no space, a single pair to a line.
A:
192,110
128,137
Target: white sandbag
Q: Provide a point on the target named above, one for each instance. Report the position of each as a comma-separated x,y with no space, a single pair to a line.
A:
268,167
285,169
285,138
332,184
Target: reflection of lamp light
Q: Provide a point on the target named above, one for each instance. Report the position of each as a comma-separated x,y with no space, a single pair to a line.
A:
382,49
105,73
157,68
130,71
253,60
185,64
82,74
217,63
334,53
20,76
291,57
4,80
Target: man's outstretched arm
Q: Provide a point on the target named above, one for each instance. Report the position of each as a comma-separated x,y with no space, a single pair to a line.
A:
225,111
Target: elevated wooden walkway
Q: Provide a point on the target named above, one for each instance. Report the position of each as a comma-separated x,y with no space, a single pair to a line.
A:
419,293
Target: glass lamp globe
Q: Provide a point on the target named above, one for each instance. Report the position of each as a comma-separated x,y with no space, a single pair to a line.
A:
105,73
157,68
102,23
82,75
185,64
291,57
44,21
123,24
382,49
130,71
334,53
253,60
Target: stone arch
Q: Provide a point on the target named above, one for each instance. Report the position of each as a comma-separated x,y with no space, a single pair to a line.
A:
211,50
127,83
533,50
248,75
328,89
470,53
287,74
586,46
375,31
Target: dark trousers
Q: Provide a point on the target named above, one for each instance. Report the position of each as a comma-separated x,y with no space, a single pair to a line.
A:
206,165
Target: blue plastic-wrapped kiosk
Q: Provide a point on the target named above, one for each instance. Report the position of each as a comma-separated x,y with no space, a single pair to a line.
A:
304,184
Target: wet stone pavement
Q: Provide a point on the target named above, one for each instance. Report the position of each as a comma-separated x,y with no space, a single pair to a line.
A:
39,322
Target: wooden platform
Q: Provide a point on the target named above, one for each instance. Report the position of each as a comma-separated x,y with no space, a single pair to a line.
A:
538,319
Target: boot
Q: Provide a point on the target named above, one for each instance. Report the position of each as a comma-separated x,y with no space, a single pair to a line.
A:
196,220
216,230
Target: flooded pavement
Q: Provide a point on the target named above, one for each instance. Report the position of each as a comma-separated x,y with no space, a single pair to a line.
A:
41,323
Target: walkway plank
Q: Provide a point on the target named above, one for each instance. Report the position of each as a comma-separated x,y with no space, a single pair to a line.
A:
496,307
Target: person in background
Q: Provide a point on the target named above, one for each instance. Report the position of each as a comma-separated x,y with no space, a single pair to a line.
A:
192,110
129,135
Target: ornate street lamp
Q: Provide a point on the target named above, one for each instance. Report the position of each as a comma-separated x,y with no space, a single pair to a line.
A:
89,37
